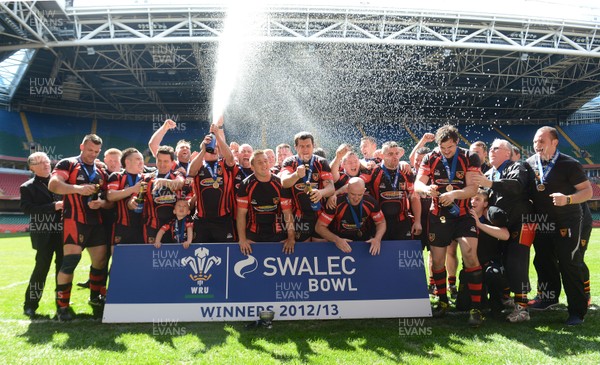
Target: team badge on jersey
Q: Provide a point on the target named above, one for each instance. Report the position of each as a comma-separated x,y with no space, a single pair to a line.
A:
583,243
81,238
460,174
563,232
431,237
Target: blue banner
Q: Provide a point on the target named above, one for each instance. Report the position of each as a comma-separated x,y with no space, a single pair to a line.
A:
216,282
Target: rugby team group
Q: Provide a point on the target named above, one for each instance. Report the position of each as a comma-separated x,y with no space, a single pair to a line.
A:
491,202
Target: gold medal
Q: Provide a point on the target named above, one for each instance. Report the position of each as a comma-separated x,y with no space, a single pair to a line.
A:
449,187
443,219
216,185
541,187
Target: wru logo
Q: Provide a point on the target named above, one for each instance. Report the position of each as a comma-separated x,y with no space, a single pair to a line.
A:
201,263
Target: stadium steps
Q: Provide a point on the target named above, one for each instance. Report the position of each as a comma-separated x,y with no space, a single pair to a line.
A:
12,223
10,184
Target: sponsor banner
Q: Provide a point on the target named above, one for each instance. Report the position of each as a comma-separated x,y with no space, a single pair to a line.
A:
216,282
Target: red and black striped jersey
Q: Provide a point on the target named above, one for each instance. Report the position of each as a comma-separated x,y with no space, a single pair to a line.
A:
392,188
176,230
75,172
344,178
177,165
214,200
239,174
120,181
341,220
265,202
433,167
159,204
320,172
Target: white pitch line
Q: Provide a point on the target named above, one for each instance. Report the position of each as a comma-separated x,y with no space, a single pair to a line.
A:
14,284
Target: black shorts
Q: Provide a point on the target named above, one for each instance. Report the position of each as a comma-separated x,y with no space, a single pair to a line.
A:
84,235
149,234
397,230
127,234
220,229
441,234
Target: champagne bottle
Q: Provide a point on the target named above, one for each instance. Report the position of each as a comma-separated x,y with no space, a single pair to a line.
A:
96,194
453,209
210,147
315,206
141,198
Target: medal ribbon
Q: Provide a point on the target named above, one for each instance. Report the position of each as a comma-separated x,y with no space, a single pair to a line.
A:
387,173
167,175
310,169
180,232
91,176
357,219
213,170
450,171
543,173
129,179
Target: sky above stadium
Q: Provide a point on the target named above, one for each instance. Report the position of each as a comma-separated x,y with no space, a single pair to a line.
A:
586,10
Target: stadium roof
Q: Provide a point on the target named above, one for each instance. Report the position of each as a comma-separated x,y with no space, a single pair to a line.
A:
340,62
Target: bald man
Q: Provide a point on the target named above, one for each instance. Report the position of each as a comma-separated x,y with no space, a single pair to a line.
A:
352,219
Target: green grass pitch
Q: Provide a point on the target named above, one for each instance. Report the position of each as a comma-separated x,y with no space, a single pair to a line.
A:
543,340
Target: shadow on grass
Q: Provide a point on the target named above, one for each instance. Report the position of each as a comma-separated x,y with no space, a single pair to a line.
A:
86,332
394,340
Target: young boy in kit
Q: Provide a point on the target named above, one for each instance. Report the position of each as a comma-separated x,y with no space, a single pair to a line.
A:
180,229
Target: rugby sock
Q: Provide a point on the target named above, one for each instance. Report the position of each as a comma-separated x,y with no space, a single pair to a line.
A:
63,295
452,280
439,278
586,287
474,278
97,282
521,299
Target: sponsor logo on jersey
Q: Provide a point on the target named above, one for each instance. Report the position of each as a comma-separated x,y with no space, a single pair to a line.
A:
390,195
208,182
264,208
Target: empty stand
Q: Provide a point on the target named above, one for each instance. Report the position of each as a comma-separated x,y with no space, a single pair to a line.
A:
9,185
12,223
